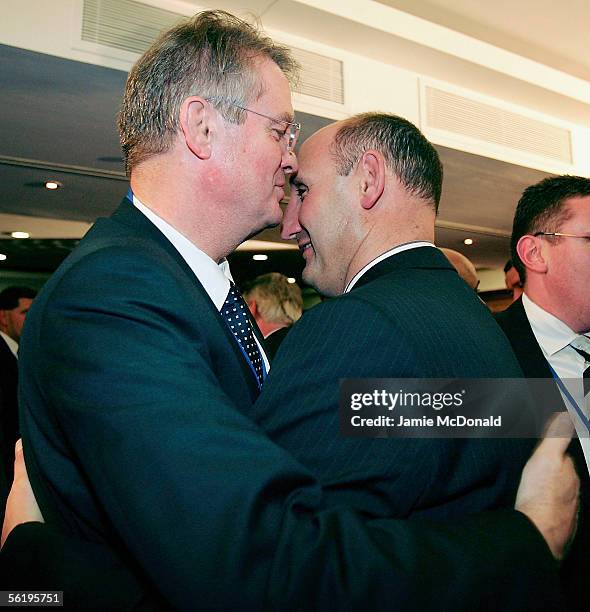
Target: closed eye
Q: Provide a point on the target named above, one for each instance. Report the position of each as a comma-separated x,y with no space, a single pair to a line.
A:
278,133
301,191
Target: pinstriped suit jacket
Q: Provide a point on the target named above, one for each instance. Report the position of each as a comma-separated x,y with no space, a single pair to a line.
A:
408,316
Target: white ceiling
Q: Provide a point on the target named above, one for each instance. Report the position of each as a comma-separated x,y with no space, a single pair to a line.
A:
549,32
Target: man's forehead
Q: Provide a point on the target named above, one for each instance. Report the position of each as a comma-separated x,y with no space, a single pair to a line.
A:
324,136
577,207
315,148
583,202
275,88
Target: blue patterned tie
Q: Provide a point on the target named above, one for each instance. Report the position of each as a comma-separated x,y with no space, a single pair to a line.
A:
235,313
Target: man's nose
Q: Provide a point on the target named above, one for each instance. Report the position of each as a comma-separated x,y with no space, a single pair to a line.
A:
290,227
289,163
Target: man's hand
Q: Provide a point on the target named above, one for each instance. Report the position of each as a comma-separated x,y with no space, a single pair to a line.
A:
549,487
21,506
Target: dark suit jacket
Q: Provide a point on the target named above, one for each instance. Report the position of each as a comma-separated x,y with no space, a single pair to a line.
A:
8,419
133,402
574,572
272,342
410,316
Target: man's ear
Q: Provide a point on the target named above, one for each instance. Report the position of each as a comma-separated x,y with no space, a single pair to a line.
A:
252,307
531,254
196,122
371,168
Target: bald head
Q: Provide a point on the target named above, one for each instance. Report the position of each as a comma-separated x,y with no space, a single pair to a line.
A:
364,186
464,267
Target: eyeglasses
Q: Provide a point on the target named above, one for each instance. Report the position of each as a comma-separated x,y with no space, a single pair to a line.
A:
561,234
292,128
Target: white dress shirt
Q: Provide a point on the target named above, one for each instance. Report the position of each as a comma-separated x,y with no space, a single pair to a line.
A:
214,277
398,249
12,344
554,337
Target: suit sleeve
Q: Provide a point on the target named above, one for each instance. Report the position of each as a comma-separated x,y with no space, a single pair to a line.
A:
215,514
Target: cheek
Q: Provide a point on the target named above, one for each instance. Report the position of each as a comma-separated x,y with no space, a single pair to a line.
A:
215,176
581,270
565,269
270,156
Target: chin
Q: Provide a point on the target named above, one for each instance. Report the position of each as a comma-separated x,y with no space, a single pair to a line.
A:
263,224
308,278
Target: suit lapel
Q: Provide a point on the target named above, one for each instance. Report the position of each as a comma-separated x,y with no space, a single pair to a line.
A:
517,328
127,214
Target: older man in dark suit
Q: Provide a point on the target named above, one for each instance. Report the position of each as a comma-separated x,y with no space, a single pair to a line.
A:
153,456
549,325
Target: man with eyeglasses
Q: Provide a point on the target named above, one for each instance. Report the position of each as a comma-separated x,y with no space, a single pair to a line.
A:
549,325
140,368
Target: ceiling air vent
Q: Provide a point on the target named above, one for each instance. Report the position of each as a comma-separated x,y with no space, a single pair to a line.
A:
491,124
124,24
132,26
321,76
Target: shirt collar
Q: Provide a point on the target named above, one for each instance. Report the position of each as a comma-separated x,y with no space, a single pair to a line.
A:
398,249
12,344
214,277
551,333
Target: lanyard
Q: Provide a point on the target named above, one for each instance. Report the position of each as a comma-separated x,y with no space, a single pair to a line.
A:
571,400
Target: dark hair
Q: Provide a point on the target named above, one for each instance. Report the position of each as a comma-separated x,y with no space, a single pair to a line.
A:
541,209
508,265
213,55
10,296
408,154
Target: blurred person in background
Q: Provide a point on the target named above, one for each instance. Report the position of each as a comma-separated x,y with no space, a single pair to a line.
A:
464,266
512,280
14,305
275,304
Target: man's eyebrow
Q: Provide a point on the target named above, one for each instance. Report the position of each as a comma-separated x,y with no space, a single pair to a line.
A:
286,117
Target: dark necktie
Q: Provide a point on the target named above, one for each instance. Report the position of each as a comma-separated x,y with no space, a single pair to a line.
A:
586,373
235,313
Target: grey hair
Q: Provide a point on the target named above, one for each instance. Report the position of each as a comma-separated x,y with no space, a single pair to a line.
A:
212,55
278,301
